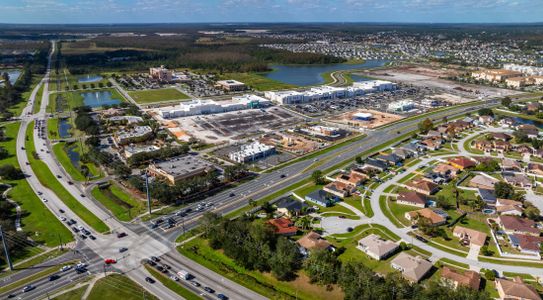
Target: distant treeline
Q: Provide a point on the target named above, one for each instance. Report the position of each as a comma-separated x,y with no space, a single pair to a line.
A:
185,52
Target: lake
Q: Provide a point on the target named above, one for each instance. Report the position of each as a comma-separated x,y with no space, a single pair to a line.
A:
97,99
520,120
64,128
13,75
312,74
89,78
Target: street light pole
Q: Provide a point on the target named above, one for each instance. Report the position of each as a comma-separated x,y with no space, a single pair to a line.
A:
6,249
148,193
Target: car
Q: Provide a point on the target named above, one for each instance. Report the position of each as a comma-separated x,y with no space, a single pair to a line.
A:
341,217
159,221
58,176
188,210
154,225
151,263
150,280
195,283
123,249
73,221
174,278
11,296
61,211
180,214
420,238
109,261
222,297
209,290
121,234
54,277
40,193
84,237
155,259
44,200
92,237
86,232
283,175
28,288
70,183
82,195
232,194
165,266
75,229
81,265
160,268
65,268
62,219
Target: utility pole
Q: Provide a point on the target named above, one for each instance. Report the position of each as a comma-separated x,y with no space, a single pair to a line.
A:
148,193
6,249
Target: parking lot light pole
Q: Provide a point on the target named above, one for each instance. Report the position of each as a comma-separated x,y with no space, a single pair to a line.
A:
148,193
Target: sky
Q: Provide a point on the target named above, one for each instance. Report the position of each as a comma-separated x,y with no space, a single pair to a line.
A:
191,11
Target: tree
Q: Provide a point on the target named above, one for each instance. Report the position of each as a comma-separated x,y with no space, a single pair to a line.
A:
426,126
304,222
485,112
9,172
322,267
442,202
317,177
531,211
504,190
490,166
358,159
3,153
489,275
285,260
506,101
520,137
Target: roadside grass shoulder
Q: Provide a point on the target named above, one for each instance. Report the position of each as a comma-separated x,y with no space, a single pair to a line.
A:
37,101
47,179
52,128
118,287
73,294
123,206
40,224
383,206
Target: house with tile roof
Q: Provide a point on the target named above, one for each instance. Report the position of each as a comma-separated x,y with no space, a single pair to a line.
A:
456,278
376,247
413,268
483,181
422,186
516,289
311,242
283,226
435,218
470,236
412,198
462,163
513,224
528,244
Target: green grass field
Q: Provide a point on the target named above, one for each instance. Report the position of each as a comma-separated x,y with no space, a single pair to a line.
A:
123,206
73,294
258,81
160,95
52,128
40,224
118,287
48,179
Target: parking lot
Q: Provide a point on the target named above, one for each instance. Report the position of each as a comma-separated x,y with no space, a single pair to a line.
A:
377,101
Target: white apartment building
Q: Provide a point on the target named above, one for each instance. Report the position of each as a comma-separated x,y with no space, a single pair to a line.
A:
133,135
251,152
528,70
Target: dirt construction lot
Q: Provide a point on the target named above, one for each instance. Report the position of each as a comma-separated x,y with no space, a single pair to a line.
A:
379,118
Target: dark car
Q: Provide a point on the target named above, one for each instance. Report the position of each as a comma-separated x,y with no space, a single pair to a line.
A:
83,236
155,259
209,290
222,297
54,277
123,249
232,194
58,176
61,211
121,234
195,283
151,263
149,279
92,237
283,175
165,266
70,183
420,238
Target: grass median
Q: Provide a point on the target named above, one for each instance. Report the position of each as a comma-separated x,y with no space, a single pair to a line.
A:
172,285
48,179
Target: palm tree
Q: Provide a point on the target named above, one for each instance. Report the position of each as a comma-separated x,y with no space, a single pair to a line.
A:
304,222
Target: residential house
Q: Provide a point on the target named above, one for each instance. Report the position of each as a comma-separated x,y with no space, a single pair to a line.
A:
353,178
284,226
446,170
339,189
511,165
486,120
536,169
500,136
422,186
376,247
538,153
469,236
413,268
517,179
414,148
433,134
391,159
432,143
501,146
509,207
435,218
412,198
483,145
513,224
528,244
462,163
290,207
403,153
455,278
516,289
483,181
524,150
375,164
530,130
322,198
533,107
311,242
507,122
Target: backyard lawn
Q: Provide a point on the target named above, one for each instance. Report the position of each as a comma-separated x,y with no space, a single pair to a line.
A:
159,95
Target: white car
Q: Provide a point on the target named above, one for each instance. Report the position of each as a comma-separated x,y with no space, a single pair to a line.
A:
65,268
44,200
63,219
80,265
174,278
